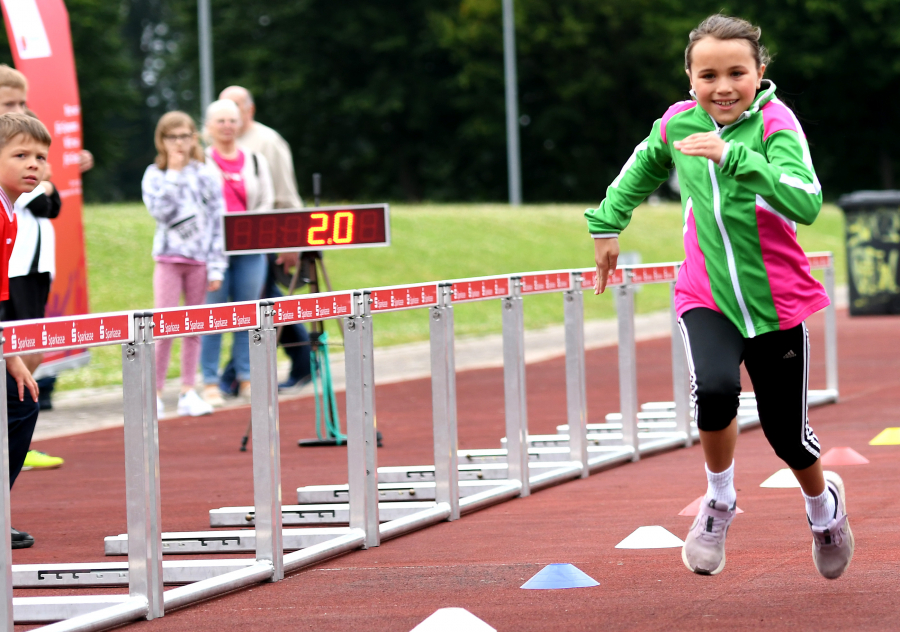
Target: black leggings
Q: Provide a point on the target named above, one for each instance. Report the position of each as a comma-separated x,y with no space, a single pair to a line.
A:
778,365
21,418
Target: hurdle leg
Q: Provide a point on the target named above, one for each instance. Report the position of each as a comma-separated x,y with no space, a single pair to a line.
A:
6,580
576,397
514,388
443,403
266,443
831,354
681,382
361,457
145,577
628,400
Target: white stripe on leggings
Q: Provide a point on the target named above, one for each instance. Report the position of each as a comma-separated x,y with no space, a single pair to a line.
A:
807,436
690,361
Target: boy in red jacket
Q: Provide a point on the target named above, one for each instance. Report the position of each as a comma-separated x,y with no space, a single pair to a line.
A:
24,142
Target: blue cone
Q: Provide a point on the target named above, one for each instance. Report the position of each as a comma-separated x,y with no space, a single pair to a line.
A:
560,576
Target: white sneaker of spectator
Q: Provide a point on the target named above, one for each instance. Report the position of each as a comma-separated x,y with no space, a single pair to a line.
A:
190,404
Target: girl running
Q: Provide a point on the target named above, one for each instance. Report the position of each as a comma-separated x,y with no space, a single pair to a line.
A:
745,287
184,197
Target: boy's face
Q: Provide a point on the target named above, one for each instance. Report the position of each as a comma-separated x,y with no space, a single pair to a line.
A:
12,100
23,162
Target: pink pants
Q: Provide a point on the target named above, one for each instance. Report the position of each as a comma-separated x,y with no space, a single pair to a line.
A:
170,281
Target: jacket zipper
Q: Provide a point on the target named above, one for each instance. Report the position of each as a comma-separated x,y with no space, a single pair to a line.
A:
729,252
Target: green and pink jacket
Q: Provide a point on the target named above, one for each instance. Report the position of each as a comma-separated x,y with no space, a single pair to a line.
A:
740,216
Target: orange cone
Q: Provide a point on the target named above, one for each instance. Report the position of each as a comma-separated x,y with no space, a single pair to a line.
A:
843,456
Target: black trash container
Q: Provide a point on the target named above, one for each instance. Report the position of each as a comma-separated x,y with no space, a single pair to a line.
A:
872,221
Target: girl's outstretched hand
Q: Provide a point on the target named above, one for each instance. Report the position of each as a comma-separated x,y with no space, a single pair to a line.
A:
606,256
706,144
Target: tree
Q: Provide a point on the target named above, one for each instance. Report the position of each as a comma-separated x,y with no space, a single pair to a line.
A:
405,100
108,97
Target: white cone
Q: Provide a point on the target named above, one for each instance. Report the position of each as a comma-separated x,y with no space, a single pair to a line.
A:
651,538
453,620
782,479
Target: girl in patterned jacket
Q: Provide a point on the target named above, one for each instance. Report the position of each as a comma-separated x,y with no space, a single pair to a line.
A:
184,197
745,287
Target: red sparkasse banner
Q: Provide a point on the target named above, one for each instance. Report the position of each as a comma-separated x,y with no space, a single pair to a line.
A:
296,309
202,319
404,297
546,282
32,336
654,273
41,44
480,289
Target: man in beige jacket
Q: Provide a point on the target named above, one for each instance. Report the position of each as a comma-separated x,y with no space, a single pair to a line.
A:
258,137
263,139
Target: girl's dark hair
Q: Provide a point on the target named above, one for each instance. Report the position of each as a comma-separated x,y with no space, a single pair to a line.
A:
724,27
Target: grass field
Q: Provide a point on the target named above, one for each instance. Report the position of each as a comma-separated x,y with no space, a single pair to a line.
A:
430,242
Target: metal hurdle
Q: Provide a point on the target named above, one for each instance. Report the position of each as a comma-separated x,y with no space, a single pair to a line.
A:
459,482
378,520
268,539
145,573
134,332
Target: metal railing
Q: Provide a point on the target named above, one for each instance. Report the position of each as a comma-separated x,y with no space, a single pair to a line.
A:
522,467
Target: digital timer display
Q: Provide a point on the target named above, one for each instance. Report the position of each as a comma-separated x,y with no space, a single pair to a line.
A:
323,228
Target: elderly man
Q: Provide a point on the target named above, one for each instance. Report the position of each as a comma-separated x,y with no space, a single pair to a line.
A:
258,137
263,139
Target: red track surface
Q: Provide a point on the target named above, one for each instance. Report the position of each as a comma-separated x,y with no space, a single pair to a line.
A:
479,562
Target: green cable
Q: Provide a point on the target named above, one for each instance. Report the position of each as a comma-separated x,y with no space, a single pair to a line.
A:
313,365
328,391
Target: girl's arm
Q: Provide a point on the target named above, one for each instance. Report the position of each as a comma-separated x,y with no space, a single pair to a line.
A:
647,168
162,193
216,260
784,177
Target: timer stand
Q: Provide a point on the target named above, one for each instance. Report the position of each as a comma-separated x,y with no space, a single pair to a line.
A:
309,263
309,231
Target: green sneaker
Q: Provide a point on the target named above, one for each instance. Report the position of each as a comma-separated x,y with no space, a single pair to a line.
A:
36,460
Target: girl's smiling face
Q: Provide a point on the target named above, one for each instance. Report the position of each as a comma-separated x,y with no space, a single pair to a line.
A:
725,77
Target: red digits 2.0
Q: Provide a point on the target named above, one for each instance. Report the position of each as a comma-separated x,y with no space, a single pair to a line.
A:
345,218
312,235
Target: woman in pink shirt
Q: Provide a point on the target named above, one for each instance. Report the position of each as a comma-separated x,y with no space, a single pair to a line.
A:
246,186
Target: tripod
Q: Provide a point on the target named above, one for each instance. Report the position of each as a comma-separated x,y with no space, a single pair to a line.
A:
306,273
308,266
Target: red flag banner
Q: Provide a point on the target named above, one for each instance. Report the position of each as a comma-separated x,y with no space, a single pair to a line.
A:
41,43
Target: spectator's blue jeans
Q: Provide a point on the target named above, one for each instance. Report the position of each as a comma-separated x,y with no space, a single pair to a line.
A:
243,282
290,335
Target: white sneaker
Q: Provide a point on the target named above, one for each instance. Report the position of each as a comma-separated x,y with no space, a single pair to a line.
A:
833,544
704,547
160,409
190,404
